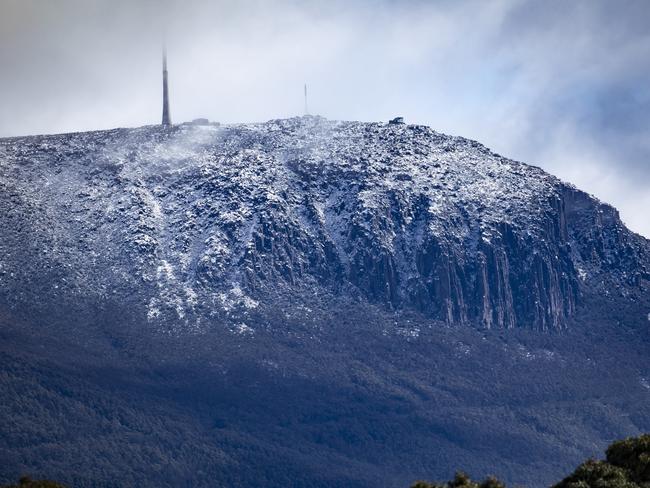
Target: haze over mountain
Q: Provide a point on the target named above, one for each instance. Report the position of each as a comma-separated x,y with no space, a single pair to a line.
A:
309,302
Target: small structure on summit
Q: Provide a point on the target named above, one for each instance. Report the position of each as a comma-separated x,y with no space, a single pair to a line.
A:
396,121
203,122
166,116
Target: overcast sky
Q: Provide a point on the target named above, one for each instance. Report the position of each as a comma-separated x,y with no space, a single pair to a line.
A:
561,84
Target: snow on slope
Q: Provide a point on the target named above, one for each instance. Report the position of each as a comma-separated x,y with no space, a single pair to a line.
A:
199,220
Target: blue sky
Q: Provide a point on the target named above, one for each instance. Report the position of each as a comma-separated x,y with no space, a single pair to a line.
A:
564,85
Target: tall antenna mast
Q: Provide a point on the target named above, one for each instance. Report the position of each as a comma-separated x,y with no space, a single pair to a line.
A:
306,109
166,117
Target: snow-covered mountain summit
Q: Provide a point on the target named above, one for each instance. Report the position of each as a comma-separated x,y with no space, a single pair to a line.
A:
194,222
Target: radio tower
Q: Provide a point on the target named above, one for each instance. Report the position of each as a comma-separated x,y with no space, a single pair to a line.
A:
166,117
306,109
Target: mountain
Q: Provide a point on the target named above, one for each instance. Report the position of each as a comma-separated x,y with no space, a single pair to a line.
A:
309,302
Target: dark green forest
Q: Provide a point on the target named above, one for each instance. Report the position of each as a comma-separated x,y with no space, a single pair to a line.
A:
626,465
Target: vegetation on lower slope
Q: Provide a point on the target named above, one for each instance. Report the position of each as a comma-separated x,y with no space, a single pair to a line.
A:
348,407
627,465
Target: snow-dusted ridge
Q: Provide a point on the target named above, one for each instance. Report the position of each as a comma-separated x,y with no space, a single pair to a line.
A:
196,221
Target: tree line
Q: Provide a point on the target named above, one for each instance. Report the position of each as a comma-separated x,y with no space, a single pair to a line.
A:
626,465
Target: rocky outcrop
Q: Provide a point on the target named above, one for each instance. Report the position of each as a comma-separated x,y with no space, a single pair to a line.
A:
192,220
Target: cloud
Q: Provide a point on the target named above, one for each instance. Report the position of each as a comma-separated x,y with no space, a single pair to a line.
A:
563,85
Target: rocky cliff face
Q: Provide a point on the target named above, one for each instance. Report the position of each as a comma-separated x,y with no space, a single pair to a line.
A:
195,221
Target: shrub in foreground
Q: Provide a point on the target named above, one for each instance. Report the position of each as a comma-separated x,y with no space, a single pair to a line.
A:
27,482
627,465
